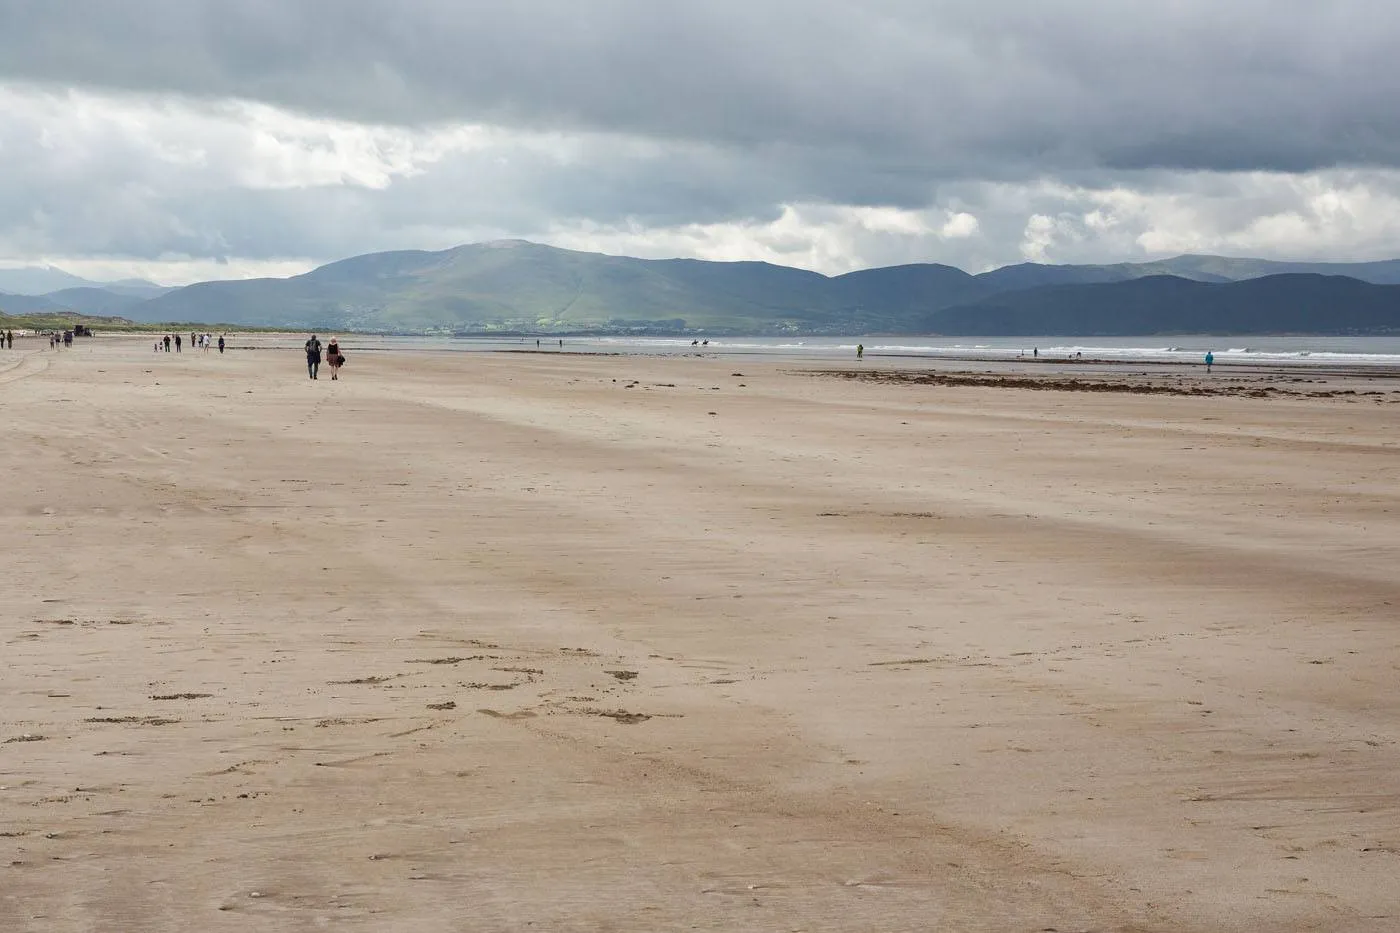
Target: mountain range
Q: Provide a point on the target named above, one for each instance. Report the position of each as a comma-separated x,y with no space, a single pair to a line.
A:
515,285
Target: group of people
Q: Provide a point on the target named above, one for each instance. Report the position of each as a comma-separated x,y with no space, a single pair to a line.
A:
334,357
7,338
203,341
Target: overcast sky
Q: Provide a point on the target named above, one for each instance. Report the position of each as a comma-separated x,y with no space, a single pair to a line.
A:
190,139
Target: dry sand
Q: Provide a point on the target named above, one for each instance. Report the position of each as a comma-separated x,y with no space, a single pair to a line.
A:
556,642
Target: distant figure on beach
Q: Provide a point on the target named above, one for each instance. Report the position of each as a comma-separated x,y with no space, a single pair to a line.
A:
537,343
860,351
1035,353
313,356
333,357
1210,360
221,343
68,338
561,344
167,343
177,343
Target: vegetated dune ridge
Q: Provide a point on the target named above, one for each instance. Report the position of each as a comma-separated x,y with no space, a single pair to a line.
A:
611,643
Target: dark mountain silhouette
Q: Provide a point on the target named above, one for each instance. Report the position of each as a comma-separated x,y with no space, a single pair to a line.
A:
1295,303
1197,268
897,292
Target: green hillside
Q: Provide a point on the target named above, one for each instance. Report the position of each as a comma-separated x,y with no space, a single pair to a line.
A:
509,285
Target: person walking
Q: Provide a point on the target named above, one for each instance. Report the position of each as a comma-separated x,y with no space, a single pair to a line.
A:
313,356
333,357
1210,360
221,343
860,351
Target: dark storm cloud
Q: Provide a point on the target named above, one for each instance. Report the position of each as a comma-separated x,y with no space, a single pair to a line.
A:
886,90
828,134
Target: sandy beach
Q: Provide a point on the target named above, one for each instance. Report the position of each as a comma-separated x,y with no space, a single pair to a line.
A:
508,641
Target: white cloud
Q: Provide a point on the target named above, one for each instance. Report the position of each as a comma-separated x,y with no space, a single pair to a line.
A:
821,237
959,226
177,190
179,270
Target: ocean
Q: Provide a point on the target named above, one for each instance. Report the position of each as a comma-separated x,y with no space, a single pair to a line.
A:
1307,352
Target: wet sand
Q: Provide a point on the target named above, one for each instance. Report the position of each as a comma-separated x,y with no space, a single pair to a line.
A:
544,641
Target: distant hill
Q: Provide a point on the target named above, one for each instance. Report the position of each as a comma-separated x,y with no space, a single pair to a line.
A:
39,280
138,288
63,320
1034,274
95,301
1206,268
1300,303
518,285
896,292
25,304
1196,268
514,285
45,280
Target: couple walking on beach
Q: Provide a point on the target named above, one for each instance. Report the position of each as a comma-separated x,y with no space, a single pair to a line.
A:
334,358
